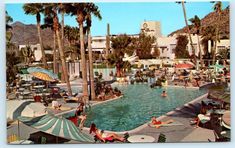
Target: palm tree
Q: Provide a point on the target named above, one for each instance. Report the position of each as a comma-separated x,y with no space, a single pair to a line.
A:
208,34
62,10
79,10
92,9
48,23
218,9
8,32
72,35
52,10
197,25
189,34
107,44
8,20
36,9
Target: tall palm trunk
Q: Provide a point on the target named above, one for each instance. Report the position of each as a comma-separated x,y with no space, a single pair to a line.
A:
216,39
107,45
55,68
62,57
62,28
40,41
91,65
80,19
190,38
200,50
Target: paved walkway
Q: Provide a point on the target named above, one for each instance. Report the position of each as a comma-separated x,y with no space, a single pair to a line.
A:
184,132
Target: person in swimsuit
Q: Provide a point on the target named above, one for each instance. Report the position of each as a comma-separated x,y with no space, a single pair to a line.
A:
79,114
164,94
105,136
158,123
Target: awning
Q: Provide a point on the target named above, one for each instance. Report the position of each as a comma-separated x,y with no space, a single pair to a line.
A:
57,126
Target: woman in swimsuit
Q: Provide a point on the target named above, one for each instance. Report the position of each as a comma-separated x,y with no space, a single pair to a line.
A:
80,115
105,136
158,123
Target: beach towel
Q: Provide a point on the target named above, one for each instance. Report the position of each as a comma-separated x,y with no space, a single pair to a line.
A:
175,123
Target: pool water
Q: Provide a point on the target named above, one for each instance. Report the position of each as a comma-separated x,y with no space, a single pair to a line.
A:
137,106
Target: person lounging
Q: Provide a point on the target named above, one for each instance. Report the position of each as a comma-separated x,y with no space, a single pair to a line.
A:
79,114
101,135
157,123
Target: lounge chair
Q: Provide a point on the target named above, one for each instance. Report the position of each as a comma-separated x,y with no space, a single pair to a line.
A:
98,139
109,139
174,123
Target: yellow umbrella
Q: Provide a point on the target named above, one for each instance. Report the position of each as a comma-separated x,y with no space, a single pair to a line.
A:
43,76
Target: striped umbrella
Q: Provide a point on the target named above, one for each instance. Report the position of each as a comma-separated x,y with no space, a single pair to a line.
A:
42,70
57,126
16,108
43,76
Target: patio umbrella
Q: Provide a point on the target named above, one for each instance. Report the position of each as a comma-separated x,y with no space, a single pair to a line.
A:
184,66
217,67
57,126
16,108
226,118
43,76
223,97
42,70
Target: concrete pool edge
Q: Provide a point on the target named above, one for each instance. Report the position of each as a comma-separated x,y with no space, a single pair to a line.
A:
159,118
96,103
171,86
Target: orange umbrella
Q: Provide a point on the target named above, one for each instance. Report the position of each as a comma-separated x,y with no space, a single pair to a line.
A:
184,66
43,76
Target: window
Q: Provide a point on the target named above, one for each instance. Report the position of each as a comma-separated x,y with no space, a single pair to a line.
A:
172,48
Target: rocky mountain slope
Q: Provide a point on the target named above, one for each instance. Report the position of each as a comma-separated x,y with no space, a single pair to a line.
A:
212,19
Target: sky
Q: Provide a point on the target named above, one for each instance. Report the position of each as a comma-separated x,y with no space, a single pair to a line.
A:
126,17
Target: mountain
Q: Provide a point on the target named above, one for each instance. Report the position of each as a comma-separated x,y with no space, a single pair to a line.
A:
210,20
27,34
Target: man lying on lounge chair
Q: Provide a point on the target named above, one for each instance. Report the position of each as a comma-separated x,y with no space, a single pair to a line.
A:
156,123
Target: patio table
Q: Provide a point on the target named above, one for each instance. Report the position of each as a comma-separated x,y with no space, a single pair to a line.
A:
141,139
226,120
22,142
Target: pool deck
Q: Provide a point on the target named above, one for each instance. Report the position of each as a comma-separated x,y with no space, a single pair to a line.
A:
179,133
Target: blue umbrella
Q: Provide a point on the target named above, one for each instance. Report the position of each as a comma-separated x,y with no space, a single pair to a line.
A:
42,70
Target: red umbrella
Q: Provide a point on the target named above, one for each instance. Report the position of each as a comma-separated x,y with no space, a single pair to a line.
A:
184,66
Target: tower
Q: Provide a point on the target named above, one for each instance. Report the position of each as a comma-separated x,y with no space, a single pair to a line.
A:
152,28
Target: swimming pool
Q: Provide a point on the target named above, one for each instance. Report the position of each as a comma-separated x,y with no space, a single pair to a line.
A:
137,106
